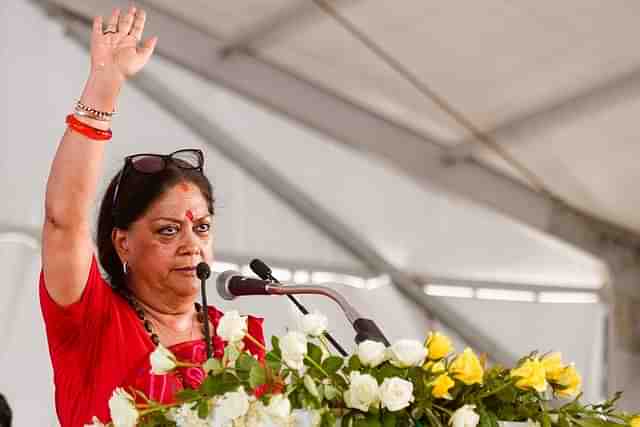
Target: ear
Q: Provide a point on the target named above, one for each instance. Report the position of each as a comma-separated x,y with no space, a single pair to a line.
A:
120,239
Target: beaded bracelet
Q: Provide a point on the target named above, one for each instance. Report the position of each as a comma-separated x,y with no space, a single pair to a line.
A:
98,115
88,131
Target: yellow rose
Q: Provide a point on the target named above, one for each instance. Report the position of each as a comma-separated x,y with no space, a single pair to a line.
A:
434,367
467,368
571,380
441,387
438,345
532,375
553,366
635,421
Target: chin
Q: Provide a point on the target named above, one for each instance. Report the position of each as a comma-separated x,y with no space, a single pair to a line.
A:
187,287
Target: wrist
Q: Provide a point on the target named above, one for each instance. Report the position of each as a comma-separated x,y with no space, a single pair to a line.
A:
101,91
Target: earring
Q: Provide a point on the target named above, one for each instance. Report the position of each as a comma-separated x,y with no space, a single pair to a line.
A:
124,268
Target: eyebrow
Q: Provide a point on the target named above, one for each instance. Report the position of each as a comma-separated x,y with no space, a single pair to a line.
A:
164,218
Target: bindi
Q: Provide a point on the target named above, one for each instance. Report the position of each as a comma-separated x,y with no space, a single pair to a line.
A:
189,215
184,186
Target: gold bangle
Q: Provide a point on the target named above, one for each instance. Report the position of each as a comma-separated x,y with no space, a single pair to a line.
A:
97,113
83,113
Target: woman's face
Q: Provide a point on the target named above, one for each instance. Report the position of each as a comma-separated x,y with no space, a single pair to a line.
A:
165,245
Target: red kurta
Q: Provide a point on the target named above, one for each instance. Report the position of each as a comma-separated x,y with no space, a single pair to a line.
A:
98,343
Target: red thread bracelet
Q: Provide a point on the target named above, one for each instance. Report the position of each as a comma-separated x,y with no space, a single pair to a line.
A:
88,131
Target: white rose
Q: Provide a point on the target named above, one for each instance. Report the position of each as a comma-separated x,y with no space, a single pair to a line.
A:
232,327
294,348
162,360
232,405
371,353
314,324
464,417
406,353
363,392
279,406
184,416
306,417
95,422
122,408
256,417
396,393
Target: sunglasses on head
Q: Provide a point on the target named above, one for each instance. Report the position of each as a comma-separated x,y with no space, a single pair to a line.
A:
149,164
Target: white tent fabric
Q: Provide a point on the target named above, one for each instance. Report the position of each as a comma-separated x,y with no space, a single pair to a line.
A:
419,228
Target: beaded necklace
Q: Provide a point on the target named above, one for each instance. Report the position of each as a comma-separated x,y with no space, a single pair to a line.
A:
135,304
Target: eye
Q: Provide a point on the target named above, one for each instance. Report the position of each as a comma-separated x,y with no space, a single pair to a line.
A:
169,230
203,228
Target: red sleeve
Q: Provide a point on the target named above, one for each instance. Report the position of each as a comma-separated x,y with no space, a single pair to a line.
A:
64,324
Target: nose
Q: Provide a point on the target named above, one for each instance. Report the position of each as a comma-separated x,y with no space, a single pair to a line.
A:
190,244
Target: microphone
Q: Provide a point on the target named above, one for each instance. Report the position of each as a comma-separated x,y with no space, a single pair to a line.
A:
264,272
231,285
203,271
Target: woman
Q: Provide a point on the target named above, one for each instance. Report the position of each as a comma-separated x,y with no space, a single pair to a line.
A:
154,227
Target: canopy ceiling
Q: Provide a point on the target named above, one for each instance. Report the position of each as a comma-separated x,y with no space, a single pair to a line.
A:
554,83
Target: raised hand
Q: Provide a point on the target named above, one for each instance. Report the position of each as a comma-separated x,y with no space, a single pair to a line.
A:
116,50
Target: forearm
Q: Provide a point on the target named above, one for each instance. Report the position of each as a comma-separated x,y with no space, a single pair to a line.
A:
75,170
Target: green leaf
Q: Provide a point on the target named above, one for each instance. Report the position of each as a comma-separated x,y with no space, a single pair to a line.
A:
203,409
388,371
274,361
213,365
246,362
328,419
389,419
219,384
275,344
563,421
354,363
332,364
311,387
314,352
257,376
187,394
330,392
594,422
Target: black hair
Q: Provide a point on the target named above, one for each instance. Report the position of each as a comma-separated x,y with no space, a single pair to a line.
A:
5,412
137,192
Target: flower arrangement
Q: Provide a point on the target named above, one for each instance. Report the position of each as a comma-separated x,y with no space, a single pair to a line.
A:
407,384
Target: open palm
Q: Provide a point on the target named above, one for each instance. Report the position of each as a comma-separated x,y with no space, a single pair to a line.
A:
115,49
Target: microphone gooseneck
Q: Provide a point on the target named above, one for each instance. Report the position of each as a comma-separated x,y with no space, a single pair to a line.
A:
203,271
264,272
231,284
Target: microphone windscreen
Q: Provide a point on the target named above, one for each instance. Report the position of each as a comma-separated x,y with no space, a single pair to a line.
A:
203,271
261,269
222,284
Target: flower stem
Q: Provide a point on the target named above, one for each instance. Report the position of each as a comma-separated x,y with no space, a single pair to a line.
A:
448,412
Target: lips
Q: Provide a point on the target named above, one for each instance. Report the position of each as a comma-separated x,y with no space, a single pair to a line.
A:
186,269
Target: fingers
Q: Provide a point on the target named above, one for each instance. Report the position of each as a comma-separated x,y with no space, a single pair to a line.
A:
97,27
138,25
112,25
125,23
147,48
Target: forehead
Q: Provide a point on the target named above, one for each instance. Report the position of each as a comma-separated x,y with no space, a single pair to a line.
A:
178,200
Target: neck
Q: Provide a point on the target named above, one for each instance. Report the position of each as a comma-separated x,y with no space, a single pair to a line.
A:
171,311
162,301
